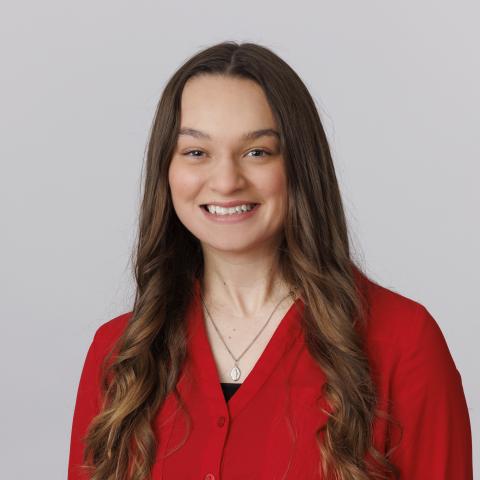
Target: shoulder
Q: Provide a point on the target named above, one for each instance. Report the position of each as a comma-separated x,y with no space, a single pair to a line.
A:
395,316
110,331
403,329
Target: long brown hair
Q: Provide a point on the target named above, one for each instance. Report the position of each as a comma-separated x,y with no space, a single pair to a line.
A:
314,255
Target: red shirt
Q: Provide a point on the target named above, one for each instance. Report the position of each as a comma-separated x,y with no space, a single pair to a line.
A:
268,427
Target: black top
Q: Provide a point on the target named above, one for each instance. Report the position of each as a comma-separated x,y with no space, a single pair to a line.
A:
229,389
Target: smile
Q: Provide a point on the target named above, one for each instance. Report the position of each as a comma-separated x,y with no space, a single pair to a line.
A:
217,210
229,215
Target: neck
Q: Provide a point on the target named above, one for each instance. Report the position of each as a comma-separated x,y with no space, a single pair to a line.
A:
243,290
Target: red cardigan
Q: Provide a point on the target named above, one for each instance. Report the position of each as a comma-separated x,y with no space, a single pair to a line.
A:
267,429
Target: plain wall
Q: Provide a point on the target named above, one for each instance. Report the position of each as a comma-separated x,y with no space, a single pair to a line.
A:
396,84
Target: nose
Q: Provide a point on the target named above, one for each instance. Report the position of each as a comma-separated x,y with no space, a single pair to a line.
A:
226,176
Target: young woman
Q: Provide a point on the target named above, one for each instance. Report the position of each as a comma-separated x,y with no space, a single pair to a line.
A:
256,348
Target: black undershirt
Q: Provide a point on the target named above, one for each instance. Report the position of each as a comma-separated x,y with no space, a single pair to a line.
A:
229,389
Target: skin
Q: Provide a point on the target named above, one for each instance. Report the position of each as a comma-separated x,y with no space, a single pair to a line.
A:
241,276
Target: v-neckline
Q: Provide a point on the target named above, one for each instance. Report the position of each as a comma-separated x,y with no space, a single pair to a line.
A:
205,368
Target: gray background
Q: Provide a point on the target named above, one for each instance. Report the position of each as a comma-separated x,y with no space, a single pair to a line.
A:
397,87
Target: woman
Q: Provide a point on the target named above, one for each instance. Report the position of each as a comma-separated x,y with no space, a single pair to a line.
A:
245,284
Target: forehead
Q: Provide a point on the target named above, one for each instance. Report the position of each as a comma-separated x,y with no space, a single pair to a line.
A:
214,106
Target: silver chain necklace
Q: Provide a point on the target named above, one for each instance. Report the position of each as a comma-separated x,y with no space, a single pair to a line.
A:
235,373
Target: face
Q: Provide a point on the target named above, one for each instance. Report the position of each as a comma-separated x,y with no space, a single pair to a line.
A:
217,162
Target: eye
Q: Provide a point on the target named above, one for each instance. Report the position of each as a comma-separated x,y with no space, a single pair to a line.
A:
192,151
259,150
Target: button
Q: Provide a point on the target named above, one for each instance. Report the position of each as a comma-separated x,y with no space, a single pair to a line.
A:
209,476
221,421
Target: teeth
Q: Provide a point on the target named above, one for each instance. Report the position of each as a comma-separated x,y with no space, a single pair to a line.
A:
215,209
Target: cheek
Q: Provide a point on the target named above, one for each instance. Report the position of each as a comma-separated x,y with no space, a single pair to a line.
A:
278,189
274,183
183,182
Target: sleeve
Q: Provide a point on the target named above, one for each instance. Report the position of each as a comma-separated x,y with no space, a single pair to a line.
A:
87,406
429,402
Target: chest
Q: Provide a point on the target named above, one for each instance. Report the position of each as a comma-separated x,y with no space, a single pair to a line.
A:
245,338
266,431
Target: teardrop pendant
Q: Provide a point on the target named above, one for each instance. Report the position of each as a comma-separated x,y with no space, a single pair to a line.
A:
235,373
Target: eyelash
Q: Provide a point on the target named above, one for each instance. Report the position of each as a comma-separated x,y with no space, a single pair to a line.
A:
254,150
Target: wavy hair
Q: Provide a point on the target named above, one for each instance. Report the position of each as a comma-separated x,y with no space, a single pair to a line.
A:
167,259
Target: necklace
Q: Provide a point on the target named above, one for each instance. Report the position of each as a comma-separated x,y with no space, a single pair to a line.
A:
235,373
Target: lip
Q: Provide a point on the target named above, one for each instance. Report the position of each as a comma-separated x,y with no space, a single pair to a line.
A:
235,218
231,203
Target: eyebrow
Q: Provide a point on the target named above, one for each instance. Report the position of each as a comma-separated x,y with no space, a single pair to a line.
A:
269,132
